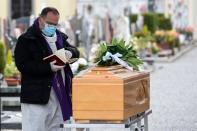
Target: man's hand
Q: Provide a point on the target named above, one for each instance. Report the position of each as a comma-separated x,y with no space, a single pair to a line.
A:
54,67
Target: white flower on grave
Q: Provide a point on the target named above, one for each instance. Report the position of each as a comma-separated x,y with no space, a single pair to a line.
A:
75,66
93,52
82,61
94,48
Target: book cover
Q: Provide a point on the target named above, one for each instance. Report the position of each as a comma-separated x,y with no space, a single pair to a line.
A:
56,58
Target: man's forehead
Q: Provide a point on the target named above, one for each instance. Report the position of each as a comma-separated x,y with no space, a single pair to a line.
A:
52,17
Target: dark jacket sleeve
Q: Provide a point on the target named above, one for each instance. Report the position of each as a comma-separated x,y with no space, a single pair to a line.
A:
72,49
26,64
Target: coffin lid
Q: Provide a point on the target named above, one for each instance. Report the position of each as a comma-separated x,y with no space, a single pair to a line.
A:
115,72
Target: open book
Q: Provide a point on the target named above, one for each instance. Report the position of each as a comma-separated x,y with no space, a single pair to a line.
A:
60,57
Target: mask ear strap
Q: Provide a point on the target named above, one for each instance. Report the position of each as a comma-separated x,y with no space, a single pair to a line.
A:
47,25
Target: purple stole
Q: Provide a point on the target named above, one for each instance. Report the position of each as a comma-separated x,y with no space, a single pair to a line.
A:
63,92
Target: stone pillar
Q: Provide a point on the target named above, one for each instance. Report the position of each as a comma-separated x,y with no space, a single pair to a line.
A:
166,8
195,19
4,14
192,15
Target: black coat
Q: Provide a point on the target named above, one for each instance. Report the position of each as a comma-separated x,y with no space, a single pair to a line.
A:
36,80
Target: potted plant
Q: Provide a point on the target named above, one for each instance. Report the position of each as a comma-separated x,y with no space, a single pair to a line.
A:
11,74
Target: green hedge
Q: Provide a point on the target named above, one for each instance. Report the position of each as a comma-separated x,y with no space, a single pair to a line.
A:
2,57
164,23
151,21
133,18
160,15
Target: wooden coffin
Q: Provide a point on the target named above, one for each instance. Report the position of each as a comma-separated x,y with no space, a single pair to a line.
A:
112,93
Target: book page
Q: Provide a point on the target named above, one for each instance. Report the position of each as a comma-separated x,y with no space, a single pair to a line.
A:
61,54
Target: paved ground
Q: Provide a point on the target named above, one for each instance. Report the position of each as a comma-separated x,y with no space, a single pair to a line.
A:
173,96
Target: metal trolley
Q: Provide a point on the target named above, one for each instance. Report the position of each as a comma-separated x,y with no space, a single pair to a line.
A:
135,123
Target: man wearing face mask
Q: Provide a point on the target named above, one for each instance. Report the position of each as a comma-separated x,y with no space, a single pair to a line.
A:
45,87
